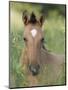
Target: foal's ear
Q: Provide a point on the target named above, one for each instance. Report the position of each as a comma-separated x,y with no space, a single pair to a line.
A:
25,17
41,20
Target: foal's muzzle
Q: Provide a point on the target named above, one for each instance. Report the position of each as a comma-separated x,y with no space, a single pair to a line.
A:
34,69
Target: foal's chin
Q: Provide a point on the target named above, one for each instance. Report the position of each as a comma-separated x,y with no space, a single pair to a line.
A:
35,74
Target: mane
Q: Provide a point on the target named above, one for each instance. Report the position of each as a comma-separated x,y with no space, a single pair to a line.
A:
44,48
33,19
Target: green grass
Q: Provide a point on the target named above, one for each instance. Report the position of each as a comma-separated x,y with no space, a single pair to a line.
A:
54,28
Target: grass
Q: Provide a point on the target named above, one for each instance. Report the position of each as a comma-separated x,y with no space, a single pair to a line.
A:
54,33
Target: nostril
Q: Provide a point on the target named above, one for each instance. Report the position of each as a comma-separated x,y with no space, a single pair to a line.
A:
34,69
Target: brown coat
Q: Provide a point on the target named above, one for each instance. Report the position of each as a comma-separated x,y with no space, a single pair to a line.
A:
52,69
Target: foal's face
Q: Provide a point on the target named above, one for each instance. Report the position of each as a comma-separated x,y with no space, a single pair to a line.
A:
33,37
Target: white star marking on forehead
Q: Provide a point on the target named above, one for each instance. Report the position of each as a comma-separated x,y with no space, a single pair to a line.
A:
33,32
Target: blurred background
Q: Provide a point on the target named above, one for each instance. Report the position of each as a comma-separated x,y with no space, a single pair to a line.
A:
54,33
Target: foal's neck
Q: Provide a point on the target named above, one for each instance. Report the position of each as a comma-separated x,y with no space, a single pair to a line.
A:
51,58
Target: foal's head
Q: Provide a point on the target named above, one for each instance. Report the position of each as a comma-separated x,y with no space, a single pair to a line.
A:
33,38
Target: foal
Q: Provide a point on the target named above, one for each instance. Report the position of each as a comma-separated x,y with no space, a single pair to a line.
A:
38,61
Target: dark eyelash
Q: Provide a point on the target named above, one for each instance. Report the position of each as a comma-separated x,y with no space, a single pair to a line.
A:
24,39
42,40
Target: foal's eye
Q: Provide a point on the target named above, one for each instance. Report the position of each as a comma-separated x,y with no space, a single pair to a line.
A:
24,39
42,40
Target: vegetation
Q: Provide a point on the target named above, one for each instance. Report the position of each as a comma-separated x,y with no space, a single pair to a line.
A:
54,28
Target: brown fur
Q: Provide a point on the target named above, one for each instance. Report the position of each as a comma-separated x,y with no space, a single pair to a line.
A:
52,66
